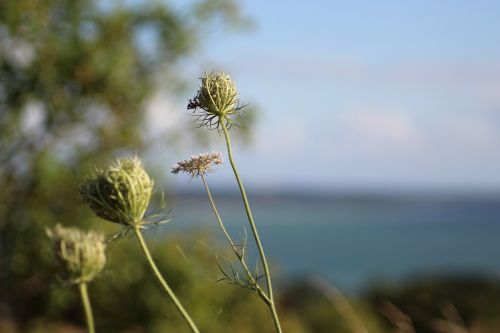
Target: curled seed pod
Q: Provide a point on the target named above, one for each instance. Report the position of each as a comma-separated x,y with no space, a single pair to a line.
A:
198,165
80,254
120,194
217,98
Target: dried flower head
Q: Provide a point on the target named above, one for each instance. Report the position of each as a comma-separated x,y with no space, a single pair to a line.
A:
216,100
120,194
198,165
80,254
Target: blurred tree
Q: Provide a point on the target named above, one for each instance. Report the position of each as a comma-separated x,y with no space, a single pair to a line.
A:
74,79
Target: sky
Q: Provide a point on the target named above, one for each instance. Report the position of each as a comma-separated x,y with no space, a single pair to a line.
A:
365,94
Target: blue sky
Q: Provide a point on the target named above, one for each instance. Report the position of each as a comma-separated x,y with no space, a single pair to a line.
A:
367,94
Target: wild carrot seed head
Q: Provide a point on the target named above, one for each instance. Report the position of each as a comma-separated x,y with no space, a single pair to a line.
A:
119,194
80,254
216,100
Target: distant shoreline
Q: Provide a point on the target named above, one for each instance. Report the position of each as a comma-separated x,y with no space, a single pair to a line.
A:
354,195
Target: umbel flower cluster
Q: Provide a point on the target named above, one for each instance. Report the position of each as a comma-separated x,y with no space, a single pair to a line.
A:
80,254
215,101
198,165
119,194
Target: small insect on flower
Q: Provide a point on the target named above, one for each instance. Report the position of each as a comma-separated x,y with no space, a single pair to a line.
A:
120,194
216,100
80,254
198,165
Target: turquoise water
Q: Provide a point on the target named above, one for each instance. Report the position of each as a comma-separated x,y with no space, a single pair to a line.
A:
357,241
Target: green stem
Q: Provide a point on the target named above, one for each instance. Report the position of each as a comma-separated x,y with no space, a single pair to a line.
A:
162,281
239,255
86,306
255,233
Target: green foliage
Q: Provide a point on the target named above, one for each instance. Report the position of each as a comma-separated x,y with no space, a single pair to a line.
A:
318,313
128,296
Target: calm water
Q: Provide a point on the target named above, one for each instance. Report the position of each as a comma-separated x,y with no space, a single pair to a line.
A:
356,241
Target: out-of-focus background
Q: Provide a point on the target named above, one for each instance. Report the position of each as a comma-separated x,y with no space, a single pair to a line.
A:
369,148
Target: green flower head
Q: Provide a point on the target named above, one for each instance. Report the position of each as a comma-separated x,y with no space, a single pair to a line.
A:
120,194
216,100
80,254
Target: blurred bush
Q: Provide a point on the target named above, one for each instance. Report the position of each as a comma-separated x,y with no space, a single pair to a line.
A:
441,303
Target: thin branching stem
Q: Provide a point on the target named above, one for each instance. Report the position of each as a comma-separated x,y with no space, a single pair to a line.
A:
87,307
240,257
162,281
253,227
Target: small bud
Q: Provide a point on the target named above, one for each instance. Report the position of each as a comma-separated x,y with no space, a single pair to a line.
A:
81,254
217,97
198,165
120,194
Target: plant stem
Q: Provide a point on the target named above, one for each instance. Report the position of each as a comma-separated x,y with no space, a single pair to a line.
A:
162,281
86,306
253,227
239,255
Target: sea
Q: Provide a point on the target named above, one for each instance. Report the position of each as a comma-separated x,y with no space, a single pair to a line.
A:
358,240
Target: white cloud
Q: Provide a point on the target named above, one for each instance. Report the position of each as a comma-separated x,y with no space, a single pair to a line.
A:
488,96
371,133
376,124
312,67
286,138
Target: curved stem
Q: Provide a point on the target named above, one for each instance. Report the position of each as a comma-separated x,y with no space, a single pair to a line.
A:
253,227
86,306
240,257
162,281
